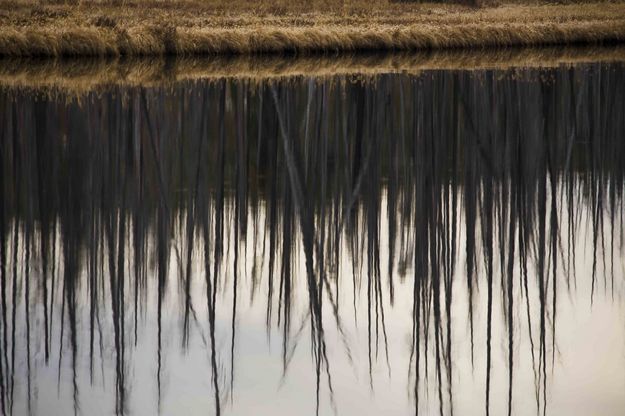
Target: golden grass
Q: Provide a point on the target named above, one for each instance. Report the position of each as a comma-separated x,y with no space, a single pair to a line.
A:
83,75
247,27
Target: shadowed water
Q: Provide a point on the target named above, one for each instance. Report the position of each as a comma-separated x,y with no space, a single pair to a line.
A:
444,242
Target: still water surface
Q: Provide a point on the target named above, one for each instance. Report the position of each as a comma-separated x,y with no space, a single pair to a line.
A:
438,242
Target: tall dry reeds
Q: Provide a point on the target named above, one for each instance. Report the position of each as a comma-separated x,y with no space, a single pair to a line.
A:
108,30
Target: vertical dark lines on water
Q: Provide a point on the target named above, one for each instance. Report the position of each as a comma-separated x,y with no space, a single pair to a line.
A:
15,252
4,368
314,283
455,189
486,220
240,209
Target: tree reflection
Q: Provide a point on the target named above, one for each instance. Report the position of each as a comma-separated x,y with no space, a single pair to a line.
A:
481,178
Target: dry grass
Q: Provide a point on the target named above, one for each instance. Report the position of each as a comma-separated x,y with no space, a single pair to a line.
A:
82,75
244,27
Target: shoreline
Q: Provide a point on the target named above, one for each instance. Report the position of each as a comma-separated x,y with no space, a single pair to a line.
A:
193,29
80,75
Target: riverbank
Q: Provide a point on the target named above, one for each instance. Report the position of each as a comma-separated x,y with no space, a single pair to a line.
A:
80,75
150,28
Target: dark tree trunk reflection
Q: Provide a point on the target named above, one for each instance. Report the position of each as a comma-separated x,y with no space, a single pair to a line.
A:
450,183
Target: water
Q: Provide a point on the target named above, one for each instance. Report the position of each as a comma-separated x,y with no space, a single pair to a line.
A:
441,241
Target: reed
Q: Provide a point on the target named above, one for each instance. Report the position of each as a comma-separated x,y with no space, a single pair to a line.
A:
78,76
147,28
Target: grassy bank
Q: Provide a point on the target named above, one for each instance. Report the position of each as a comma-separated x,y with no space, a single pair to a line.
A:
242,27
79,75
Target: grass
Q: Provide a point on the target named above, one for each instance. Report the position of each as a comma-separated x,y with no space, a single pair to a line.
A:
149,28
78,76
